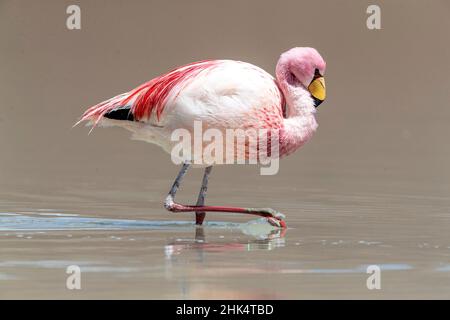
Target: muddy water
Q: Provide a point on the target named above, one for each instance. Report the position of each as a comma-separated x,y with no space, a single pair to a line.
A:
371,188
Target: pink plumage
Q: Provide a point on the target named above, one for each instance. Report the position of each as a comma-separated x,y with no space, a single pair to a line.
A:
151,95
223,94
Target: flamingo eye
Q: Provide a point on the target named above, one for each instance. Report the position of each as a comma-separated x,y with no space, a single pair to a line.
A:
317,74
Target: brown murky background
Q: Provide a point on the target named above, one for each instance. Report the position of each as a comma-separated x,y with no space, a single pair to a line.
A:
372,187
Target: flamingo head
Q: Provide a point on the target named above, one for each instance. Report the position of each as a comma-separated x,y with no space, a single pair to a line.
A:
303,67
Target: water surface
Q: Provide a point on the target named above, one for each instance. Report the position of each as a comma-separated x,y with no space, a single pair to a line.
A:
140,251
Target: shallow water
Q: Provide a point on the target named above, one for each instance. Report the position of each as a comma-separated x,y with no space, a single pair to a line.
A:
371,188
140,251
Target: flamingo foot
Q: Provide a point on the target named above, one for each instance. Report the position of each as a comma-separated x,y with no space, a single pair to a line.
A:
276,218
273,217
277,223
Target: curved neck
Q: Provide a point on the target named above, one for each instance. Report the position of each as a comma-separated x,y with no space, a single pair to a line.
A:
300,124
298,99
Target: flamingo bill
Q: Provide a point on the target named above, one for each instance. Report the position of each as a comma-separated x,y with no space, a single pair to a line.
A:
317,88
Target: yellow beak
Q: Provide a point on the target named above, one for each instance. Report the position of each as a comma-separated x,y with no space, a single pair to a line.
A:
317,88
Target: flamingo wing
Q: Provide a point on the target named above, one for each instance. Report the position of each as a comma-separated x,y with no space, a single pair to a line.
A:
149,98
223,93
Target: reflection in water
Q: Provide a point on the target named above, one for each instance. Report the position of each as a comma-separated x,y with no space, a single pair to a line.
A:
188,258
265,241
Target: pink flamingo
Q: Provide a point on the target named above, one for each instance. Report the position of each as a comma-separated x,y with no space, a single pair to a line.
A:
223,94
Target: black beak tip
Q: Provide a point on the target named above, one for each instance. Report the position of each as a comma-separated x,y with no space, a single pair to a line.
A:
317,102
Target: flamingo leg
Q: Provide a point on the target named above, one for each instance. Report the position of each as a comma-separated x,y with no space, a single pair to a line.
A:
200,215
273,217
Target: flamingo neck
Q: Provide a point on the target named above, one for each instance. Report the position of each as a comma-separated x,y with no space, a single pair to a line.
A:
296,131
300,123
298,99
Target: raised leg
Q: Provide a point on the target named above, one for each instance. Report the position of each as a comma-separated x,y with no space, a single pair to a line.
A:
273,217
200,215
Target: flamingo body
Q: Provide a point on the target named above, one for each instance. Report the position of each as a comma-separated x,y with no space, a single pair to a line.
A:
222,94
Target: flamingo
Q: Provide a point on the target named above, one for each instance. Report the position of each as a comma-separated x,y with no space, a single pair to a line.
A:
222,94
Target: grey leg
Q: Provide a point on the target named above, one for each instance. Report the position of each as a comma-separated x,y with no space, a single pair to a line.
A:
200,215
168,204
